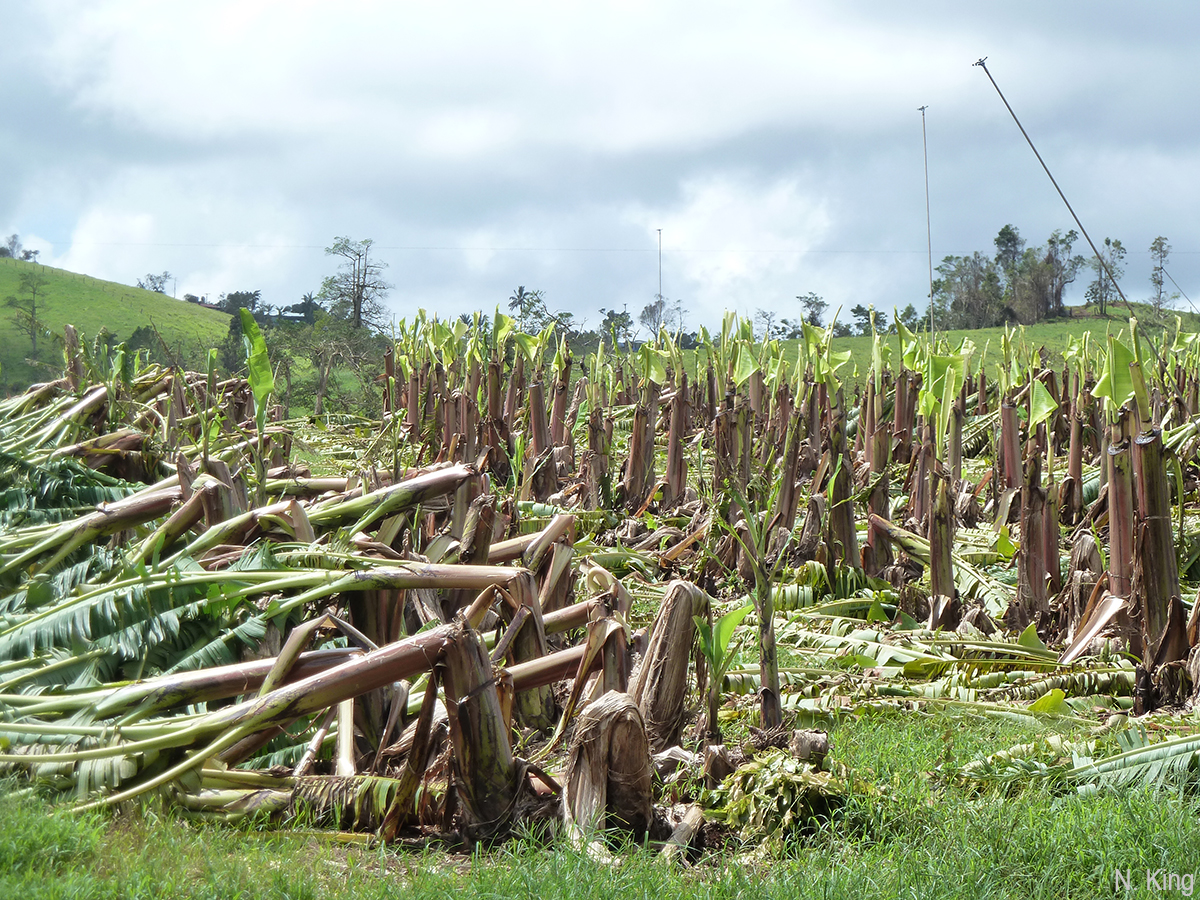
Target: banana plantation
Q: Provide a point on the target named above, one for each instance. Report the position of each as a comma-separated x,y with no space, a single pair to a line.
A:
617,599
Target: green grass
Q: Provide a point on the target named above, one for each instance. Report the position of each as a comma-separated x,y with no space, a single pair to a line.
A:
91,304
919,838
1053,335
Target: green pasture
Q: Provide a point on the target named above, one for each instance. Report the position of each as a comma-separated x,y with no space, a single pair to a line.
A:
91,304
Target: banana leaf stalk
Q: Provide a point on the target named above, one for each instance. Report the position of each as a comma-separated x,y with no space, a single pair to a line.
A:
843,536
534,708
1010,444
943,600
38,401
970,581
109,519
484,768
208,735
1121,514
676,459
202,685
661,686
188,514
386,501
288,590
639,468
66,423
556,666
878,555
1155,567
1032,572
402,811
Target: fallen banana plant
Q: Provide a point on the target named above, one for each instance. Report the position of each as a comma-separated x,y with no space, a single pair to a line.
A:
485,608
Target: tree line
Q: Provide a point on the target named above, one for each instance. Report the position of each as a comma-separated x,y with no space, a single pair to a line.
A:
1026,284
341,326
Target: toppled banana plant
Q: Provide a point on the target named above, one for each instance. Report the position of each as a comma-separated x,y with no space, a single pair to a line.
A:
459,623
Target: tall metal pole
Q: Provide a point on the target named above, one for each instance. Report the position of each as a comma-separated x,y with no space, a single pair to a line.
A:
1103,263
659,297
928,227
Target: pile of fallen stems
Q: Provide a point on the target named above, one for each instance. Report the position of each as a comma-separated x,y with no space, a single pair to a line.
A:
532,593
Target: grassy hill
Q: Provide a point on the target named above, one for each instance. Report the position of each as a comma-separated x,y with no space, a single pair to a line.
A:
91,304
1053,335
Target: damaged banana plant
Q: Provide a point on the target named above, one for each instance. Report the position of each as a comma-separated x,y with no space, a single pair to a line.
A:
525,596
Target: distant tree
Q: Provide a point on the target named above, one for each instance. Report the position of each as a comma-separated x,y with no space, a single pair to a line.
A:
765,320
1063,269
334,343
841,329
156,283
30,255
1160,252
678,317
24,304
862,319
357,290
791,329
969,293
11,248
1108,271
618,325
1034,278
814,308
910,318
529,309
652,315
1017,271
146,340
236,300
306,309
565,325
1009,247
192,298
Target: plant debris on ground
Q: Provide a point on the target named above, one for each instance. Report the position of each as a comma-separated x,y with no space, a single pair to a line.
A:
628,607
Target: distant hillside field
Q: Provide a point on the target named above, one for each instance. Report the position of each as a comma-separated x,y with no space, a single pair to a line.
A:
91,304
1054,335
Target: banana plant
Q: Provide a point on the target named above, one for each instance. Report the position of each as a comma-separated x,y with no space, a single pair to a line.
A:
750,532
262,385
716,647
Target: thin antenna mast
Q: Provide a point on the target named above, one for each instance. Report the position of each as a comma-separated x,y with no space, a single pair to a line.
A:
928,226
660,296
982,63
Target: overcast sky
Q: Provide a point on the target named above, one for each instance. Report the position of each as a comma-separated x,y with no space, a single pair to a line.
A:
485,145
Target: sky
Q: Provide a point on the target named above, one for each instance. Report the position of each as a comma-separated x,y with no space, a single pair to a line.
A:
481,145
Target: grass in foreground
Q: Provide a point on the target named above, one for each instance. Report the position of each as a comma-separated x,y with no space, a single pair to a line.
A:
918,839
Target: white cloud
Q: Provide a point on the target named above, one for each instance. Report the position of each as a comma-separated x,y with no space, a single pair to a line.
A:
230,141
733,243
